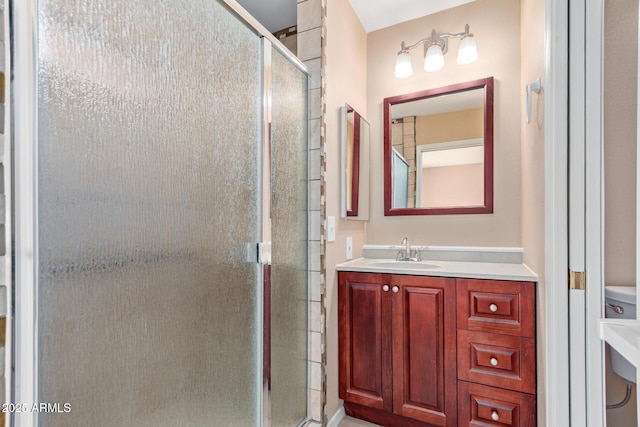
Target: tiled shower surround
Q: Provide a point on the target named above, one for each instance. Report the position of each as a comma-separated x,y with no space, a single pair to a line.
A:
310,49
404,140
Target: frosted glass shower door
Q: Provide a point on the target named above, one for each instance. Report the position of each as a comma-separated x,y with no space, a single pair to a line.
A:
149,210
289,271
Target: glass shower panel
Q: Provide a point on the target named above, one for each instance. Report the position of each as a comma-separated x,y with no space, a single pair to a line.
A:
148,203
289,274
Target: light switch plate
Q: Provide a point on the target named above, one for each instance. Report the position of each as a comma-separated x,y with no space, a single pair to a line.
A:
331,229
349,248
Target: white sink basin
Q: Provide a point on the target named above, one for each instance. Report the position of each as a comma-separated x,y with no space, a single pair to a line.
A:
404,265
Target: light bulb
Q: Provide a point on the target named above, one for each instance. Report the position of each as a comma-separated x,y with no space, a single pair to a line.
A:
434,59
403,65
468,51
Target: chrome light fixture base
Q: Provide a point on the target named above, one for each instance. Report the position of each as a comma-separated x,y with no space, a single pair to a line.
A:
435,47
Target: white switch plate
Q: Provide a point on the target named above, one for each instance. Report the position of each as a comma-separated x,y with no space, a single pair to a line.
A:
331,229
349,248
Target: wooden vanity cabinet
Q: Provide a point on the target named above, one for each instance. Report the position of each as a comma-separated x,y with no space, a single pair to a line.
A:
496,353
419,351
397,348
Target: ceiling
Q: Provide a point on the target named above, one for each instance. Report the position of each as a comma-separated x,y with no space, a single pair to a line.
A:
276,15
375,15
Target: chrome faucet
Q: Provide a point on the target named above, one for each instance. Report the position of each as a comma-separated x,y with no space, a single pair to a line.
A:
405,255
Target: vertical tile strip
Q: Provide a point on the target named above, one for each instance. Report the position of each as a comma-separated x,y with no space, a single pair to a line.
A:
3,215
310,46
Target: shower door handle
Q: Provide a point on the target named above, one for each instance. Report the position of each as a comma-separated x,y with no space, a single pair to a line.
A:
264,253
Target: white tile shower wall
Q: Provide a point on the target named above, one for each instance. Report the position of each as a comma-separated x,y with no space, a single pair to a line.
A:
310,50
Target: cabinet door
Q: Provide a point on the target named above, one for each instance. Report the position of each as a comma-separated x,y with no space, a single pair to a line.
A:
424,349
364,333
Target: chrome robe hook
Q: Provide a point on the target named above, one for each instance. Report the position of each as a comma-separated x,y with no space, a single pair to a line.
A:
532,87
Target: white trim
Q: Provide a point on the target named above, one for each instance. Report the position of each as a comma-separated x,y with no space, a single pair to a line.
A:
555,333
24,125
438,146
337,418
577,326
578,368
594,194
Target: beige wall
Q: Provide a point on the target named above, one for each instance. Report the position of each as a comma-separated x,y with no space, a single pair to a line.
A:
453,126
620,59
499,52
532,141
518,219
459,185
346,52
620,68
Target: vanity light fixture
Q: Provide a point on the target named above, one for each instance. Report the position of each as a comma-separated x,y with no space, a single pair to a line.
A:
435,47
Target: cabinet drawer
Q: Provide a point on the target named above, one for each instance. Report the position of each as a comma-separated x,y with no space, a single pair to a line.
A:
498,360
480,405
496,306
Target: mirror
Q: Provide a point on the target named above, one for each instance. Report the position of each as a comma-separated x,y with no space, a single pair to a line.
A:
438,150
354,164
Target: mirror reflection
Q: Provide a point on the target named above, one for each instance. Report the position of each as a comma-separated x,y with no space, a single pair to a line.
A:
355,160
439,150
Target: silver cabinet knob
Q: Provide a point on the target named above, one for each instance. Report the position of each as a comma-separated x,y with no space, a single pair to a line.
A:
495,416
395,289
493,308
493,361
385,288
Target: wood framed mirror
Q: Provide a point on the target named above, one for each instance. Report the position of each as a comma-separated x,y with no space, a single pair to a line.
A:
354,165
438,150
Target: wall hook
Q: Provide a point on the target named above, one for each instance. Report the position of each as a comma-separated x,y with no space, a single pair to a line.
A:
532,87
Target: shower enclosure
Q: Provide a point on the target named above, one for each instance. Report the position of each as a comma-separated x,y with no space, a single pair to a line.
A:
159,216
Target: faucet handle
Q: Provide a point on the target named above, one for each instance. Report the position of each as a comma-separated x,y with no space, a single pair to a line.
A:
417,255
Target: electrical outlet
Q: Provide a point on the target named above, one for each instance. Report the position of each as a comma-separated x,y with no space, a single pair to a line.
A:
349,248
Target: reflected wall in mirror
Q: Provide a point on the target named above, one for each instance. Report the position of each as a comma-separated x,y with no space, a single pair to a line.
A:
354,164
438,144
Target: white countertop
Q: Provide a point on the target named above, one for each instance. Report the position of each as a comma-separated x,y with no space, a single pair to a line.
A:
439,268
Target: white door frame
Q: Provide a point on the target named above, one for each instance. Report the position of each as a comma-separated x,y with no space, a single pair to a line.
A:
577,329
594,230
555,327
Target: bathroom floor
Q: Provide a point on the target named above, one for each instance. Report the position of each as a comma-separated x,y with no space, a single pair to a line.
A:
354,422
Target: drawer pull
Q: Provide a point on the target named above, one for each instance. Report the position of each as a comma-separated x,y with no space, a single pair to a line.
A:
495,416
493,361
493,308
385,288
395,289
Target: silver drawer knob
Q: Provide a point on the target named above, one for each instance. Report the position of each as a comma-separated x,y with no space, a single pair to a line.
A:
493,308
493,361
495,416
395,289
385,288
